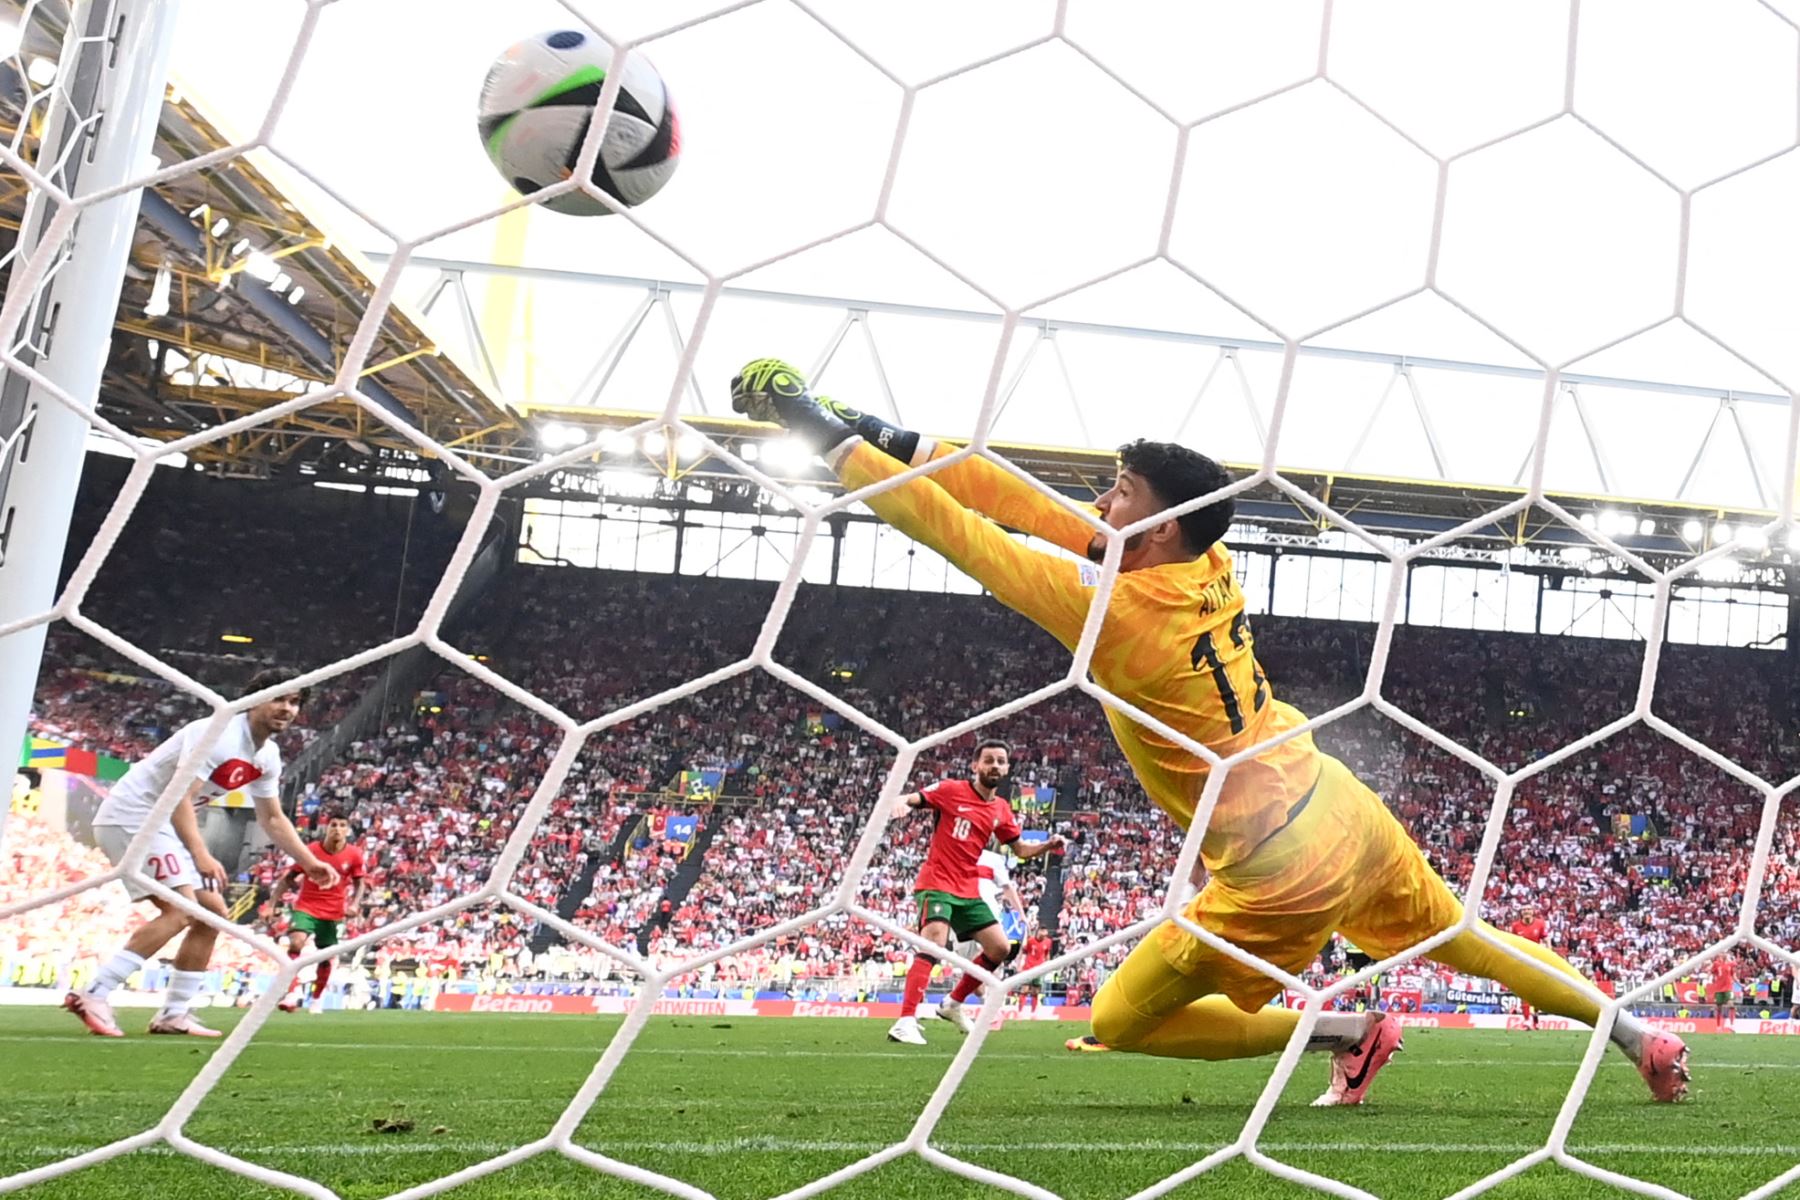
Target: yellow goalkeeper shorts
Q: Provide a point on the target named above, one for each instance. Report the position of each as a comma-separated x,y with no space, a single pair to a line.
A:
1344,864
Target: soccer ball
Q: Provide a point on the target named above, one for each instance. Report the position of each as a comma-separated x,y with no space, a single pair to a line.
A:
536,106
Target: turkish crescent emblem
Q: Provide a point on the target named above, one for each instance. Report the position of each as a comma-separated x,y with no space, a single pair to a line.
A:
234,773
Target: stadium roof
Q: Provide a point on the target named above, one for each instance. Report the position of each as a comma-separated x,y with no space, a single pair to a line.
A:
1628,223
236,299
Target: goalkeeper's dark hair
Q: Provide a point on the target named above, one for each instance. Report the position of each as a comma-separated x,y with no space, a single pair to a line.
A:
268,677
1177,475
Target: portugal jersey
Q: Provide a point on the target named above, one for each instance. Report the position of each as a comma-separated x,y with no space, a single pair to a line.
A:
964,823
1175,642
330,904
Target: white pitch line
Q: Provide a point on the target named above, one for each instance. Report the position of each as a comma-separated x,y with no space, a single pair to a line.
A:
802,1146
394,1144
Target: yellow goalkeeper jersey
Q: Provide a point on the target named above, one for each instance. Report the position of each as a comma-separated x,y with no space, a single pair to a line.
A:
1174,644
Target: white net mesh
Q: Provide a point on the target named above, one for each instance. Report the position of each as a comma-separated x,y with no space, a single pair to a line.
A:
1382,285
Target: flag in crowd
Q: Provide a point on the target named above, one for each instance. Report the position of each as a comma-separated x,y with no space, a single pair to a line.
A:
681,829
46,754
702,785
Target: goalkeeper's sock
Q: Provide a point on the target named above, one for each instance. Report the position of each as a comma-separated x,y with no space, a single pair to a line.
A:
1214,1028
917,976
1338,1031
968,985
1558,991
1628,1035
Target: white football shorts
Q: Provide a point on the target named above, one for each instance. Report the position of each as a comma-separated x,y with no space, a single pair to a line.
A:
169,862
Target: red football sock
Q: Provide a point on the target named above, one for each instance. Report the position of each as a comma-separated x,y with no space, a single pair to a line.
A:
320,976
968,985
917,976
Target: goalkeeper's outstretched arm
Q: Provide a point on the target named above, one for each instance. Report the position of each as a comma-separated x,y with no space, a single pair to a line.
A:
974,482
977,483
996,493
1049,590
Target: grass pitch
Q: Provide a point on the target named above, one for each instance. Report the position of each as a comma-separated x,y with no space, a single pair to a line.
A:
754,1107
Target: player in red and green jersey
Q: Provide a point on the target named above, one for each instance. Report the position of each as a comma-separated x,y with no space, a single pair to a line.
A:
319,912
968,812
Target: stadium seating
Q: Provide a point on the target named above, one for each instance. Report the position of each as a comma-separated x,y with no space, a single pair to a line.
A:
307,580
55,945
1634,850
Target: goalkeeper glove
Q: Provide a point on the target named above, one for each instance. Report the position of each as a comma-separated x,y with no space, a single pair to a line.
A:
771,390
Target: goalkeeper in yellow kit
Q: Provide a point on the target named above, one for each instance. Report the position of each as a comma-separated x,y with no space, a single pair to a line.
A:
1297,847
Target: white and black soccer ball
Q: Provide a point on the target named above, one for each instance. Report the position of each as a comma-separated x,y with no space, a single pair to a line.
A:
536,106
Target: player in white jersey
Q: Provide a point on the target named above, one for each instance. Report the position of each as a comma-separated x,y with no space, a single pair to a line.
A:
244,756
999,892
993,879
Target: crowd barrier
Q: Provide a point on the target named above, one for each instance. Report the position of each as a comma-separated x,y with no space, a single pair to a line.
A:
888,1011
567,1004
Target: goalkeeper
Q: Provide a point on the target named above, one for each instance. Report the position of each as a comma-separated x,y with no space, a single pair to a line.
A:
1297,847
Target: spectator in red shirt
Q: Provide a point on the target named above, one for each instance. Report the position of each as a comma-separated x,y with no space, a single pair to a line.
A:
1531,927
1724,977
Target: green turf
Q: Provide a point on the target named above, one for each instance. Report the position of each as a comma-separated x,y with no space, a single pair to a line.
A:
751,1108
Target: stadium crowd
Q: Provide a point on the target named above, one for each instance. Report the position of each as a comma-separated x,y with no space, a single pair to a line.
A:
728,811
58,945
307,576
292,578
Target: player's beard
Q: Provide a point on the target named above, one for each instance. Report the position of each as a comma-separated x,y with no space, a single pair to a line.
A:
1097,546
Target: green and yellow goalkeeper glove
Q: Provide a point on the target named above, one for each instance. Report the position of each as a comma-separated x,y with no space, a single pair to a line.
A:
771,390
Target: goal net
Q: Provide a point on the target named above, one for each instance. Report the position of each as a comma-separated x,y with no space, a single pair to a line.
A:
1420,245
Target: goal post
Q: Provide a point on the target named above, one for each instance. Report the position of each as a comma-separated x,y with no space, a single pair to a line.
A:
105,104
